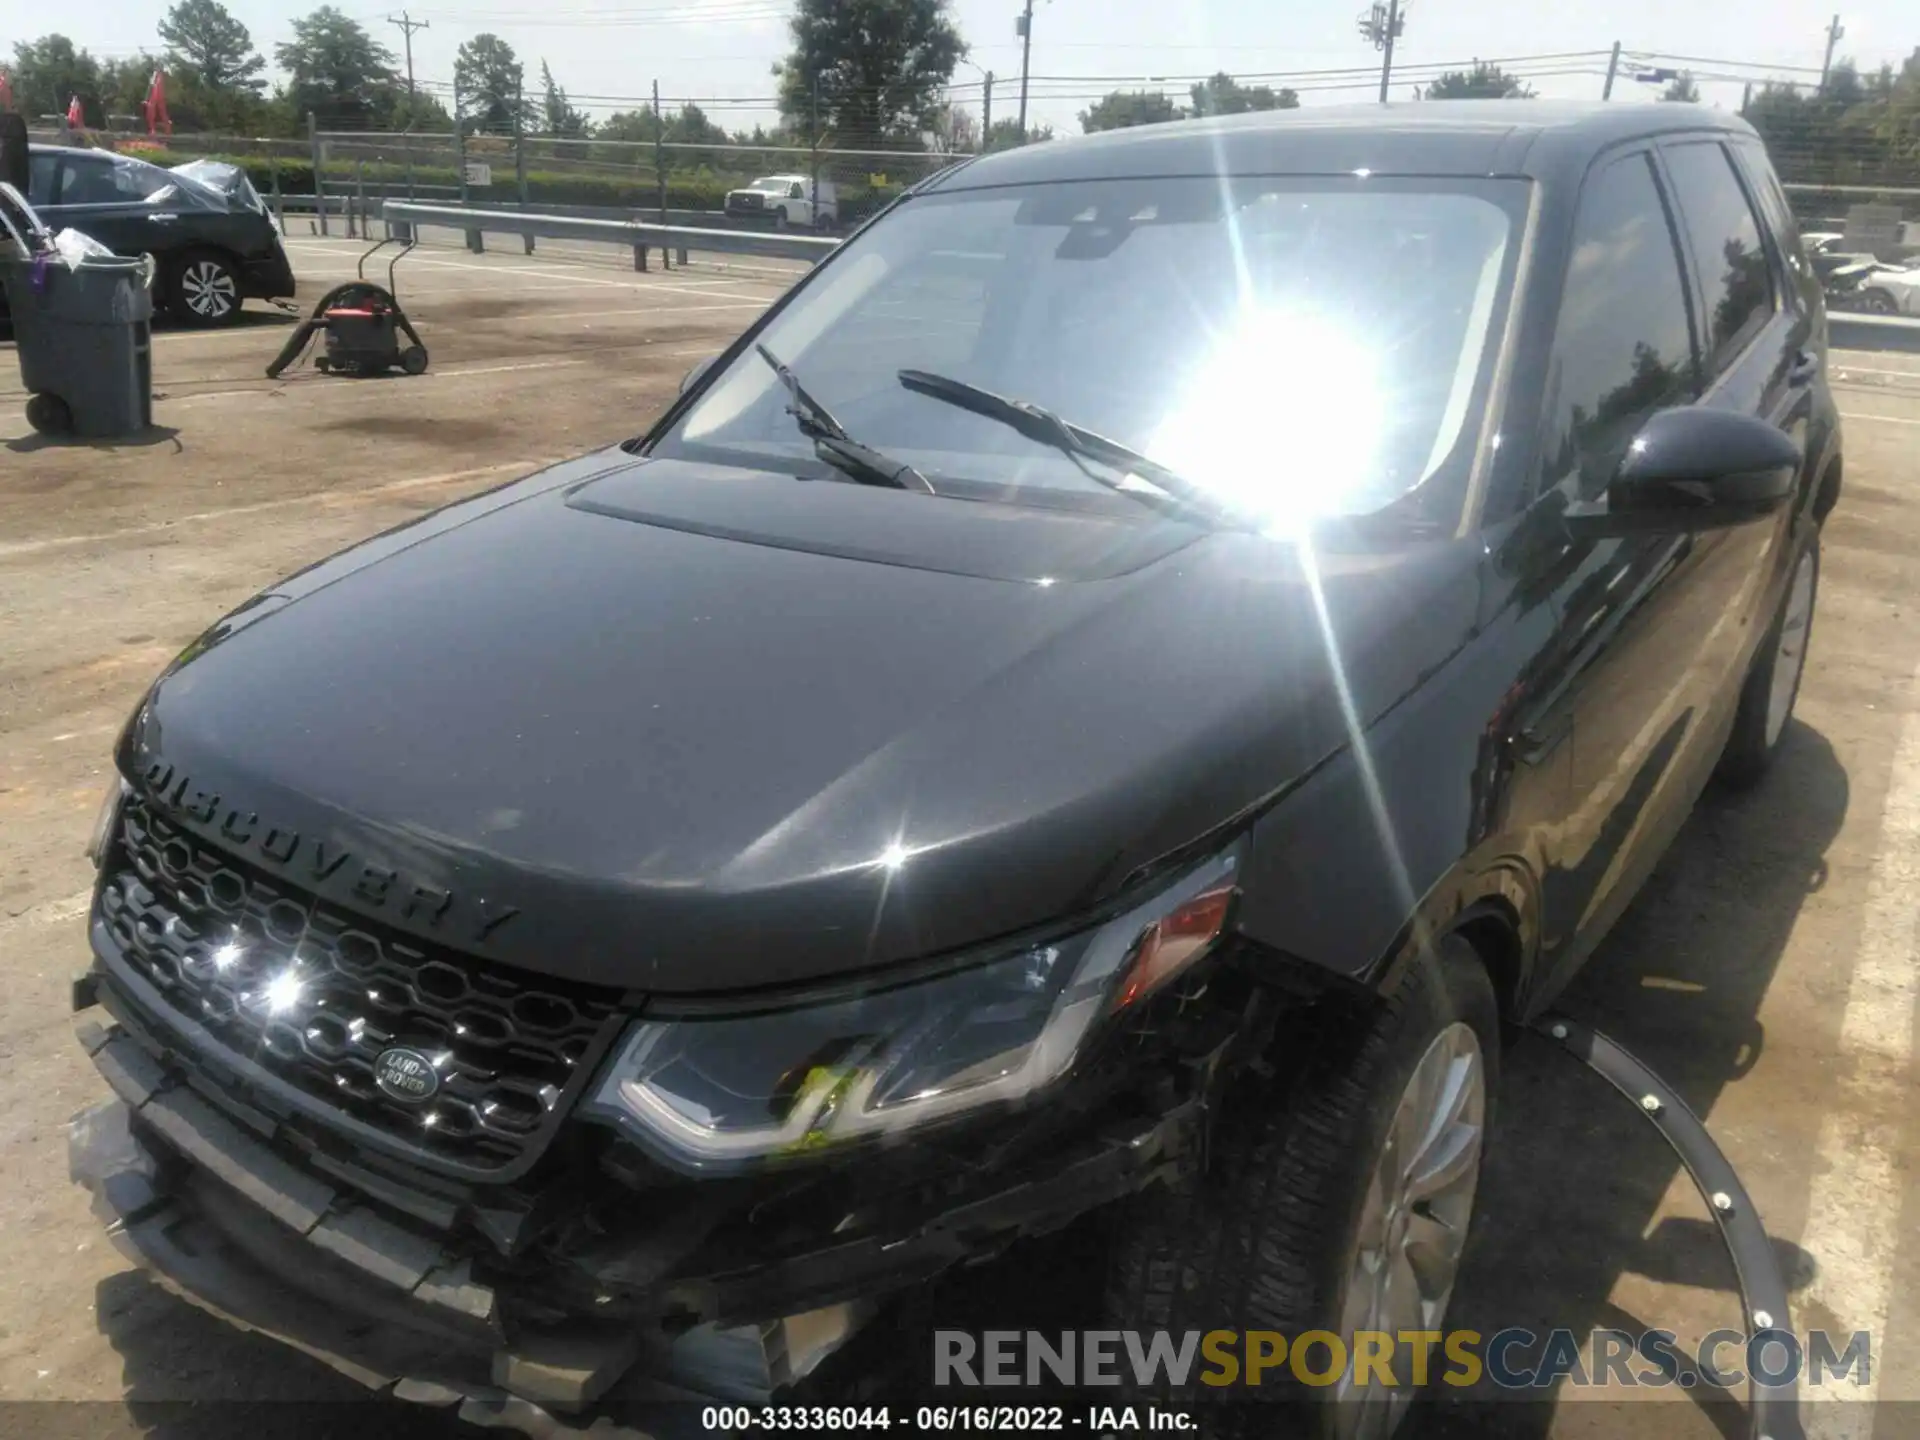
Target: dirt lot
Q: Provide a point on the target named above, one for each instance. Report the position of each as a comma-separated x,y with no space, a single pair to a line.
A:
1769,971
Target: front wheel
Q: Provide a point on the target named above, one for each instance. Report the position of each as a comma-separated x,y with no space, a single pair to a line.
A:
205,290
1879,302
780,219
1773,683
1345,1210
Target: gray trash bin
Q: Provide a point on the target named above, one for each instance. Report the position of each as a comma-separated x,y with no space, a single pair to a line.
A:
85,344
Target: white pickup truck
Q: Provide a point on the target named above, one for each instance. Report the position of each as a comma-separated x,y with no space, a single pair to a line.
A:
787,200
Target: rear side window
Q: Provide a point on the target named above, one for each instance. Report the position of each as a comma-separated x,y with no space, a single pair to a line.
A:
1729,256
1774,208
1622,347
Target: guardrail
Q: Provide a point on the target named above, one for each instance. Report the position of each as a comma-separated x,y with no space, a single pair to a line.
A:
637,235
1872,332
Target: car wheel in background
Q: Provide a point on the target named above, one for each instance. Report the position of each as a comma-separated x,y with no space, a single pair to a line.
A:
1879,302
780,218
1773,684
1346,1209
203,289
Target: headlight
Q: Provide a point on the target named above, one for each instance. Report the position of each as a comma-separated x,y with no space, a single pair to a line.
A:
107,820
721,1093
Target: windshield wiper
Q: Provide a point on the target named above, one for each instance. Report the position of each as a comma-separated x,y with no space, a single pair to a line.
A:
1172,493
834,445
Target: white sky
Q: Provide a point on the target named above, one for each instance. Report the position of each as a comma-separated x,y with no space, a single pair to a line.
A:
708,49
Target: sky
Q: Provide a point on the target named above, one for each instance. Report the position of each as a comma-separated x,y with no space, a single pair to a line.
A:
710,51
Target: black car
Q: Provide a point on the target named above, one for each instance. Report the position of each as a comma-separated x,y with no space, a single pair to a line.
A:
206,227
1111,692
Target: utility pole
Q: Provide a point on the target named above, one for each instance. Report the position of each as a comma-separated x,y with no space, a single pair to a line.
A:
1613,69
1834,33
660,162
986,113
1383,25
408,25
1025,26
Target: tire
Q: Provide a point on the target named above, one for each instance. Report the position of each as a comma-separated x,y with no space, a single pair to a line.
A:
1760,724
413,360
1878,302
203,290
780,218
1270,1237
49,414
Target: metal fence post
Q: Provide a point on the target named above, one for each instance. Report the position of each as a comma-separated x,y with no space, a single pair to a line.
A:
360,199
319,188
279,206
520,148
475,242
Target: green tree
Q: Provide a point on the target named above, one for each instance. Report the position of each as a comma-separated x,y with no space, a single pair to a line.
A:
1124,108
49,72
336,71
205,41
1482,82
1223,95
1005,135
556,115
868,72
492,83
1682,89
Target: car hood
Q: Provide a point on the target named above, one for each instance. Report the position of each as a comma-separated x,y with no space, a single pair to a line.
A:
682,729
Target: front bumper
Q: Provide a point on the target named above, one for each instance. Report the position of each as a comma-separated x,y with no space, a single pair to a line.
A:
220,1218
267,277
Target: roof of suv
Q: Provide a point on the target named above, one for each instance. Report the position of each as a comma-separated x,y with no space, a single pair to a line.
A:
1435,137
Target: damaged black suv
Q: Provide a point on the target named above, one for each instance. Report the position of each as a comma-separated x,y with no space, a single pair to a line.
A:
1114,692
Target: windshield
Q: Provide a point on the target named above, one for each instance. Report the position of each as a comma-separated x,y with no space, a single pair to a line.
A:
1302,347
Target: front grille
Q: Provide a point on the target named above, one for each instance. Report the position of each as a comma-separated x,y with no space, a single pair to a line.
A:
315,995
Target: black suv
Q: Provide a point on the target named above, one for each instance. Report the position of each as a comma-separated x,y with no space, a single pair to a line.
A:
1108,693
206,227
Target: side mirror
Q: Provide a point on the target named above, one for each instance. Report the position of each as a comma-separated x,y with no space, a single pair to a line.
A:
1693,469
692,377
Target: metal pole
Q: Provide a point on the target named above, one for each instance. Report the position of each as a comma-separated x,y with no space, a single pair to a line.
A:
1746,97
319,187
1386,62
660,159
520,147
813,143
360,199
1613,69
1834,32
986,113
279,206
1026,54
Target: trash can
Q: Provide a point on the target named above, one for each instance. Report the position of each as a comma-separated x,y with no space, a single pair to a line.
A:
85,342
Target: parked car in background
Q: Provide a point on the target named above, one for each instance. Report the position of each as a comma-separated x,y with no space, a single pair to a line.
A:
789,201
204,224
1887,290
1130,711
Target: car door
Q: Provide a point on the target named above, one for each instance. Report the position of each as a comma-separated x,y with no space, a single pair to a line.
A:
1758,357
94,195
1635,614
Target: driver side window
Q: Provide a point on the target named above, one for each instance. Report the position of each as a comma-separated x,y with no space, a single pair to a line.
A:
795,191
1623,342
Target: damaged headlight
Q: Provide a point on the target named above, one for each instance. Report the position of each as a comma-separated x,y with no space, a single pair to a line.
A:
723,1092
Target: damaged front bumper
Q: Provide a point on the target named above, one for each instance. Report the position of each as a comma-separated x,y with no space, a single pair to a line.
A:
219,1217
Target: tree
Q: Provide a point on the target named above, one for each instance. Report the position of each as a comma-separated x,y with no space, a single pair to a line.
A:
1223,95
1005,135
868,72
1124,108
336,71
1483,82
491,81
205,41
1681,88
559,117
49,72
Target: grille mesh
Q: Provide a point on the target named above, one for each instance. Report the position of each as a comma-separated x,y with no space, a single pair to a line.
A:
315,995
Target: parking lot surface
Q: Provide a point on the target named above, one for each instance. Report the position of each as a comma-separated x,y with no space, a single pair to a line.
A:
1768,971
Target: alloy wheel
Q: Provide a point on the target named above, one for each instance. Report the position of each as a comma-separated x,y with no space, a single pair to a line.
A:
1413,1221
208,290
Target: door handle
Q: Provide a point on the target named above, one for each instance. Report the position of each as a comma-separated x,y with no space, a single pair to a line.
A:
1805,369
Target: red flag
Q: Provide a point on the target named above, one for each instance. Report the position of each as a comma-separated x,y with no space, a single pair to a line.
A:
158,121
75,116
